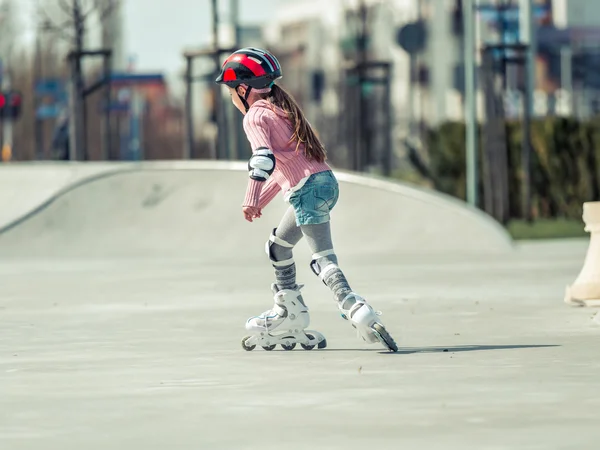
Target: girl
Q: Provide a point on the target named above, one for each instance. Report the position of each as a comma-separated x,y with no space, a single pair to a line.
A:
288,157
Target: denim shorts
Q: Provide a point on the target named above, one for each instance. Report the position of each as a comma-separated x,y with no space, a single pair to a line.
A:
313,201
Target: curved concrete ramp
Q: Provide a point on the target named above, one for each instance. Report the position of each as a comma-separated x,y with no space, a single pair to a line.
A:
193,209
24,186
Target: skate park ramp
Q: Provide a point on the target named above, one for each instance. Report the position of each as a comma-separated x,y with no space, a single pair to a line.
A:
25,186
193,209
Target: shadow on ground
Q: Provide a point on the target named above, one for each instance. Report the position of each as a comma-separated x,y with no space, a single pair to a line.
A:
407,351
467,348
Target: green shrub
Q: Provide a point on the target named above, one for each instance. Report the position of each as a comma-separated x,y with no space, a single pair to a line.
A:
565,164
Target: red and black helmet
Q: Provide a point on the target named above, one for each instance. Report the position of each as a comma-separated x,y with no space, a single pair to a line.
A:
251,66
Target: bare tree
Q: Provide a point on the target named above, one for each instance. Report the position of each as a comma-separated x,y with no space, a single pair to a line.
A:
9,37
9,29
71,21
69,18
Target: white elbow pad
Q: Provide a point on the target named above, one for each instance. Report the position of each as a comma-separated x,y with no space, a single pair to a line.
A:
262,164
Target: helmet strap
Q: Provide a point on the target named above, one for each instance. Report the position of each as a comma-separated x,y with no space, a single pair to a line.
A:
245,98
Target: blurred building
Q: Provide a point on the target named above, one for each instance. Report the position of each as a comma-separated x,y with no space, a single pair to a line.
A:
305,37
319,42
576,13
113,37
203,95
571,54
146,123
567,71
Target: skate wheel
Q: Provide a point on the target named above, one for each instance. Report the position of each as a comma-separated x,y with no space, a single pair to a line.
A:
385,337
292,346
269,347
248,348
322,344
308,347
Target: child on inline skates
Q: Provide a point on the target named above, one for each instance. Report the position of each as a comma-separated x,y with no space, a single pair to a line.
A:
288,157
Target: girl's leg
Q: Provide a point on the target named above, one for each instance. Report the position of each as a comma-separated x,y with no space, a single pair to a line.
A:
279,248
286,321
352,306
324,262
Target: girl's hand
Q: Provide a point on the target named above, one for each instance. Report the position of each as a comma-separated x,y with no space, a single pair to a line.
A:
251,212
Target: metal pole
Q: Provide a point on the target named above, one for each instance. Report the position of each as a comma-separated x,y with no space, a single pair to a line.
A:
39,131
412,129
189,118
235,122
470,101
73,119
81,103
7,123
361,148
566,74
223,131
527,35
135,141
216,87
107,138
235,18
388,150
77,122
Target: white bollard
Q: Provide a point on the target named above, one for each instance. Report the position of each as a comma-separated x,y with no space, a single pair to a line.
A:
585,291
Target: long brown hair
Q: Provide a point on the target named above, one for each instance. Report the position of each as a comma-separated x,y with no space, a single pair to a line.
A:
303,132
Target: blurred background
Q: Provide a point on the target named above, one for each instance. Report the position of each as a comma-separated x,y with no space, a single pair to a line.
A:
494,102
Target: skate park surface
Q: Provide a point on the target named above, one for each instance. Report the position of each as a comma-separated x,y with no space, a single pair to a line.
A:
125,288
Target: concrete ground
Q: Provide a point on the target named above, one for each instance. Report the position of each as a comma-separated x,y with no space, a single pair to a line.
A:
143,351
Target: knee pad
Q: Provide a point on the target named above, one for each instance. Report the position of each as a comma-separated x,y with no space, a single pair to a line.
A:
323,263
274,240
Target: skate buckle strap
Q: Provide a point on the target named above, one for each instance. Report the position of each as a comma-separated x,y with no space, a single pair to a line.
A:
285,262
258,173
359,303
273,313
279,310
276,240
323,254
377,313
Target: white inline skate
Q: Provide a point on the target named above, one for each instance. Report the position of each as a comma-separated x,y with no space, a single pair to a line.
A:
284,324
366,320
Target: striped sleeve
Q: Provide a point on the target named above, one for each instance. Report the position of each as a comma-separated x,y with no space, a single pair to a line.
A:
257,128
260,193
258,125
268,193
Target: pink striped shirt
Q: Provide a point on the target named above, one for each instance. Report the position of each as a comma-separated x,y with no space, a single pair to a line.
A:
266,125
